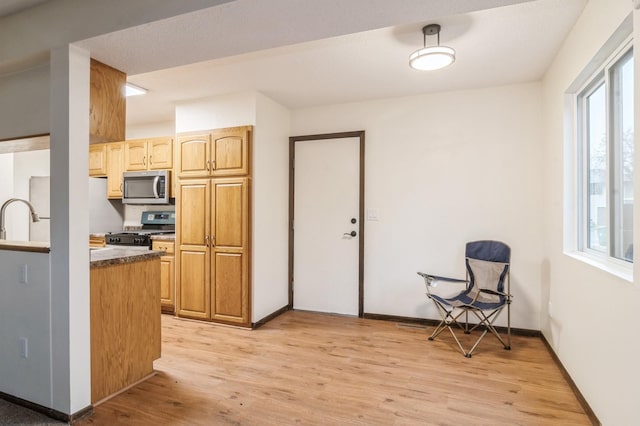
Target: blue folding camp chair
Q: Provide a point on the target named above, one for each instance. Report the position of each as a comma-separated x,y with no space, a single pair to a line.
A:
484,294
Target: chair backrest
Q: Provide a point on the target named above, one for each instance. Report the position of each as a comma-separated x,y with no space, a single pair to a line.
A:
487,264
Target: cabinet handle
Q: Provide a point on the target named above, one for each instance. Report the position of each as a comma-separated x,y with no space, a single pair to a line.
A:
208,165
121,187
151,160
144,160
206,240
213,165
213,241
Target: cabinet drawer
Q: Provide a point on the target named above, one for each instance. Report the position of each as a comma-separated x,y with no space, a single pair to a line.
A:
167,246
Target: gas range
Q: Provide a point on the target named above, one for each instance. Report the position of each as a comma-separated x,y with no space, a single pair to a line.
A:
153,223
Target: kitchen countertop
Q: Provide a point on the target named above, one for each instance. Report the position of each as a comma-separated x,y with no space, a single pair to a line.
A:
116,255
28,246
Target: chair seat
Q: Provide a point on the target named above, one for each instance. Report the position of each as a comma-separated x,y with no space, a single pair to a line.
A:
463,299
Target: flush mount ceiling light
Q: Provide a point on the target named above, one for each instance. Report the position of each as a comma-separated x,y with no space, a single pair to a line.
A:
133,90
432,57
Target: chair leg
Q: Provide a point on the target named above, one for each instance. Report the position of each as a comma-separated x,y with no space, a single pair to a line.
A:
487,323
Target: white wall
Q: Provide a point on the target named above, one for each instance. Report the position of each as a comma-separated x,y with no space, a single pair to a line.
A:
236,109
594,313
444,169
24,103
25,312
270,207
151,130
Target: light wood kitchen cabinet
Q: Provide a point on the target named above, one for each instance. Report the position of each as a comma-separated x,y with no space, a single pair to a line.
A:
167,275
217,153
229,250
149,154
213,250
125,324
98,160
115,165
193,274
107,104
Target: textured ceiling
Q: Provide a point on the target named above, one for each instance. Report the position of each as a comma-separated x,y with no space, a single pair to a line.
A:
307,57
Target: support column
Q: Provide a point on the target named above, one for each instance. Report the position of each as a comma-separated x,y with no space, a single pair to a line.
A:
71,354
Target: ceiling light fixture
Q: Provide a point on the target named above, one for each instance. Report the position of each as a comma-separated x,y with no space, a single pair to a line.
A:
133,90
432,57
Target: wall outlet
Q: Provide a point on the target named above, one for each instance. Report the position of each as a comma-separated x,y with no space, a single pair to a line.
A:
24,347
24,277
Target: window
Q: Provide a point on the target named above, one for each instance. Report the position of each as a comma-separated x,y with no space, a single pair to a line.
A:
605,160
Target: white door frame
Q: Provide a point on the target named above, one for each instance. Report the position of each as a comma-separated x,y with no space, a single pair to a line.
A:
292,156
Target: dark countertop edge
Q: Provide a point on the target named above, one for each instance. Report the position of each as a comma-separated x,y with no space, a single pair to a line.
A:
126,258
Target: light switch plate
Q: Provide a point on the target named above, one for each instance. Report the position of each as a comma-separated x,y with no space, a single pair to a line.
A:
373,214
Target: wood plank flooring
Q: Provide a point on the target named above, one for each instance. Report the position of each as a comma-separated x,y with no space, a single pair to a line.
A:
314,369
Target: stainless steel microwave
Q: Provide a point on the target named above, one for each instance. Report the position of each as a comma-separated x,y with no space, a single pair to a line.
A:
150,187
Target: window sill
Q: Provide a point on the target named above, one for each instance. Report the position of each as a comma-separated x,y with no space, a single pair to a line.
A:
619,269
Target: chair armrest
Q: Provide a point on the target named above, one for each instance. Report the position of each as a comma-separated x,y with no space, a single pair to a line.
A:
430,278
434,280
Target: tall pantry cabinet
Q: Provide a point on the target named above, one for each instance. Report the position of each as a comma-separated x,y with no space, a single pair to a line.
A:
214,234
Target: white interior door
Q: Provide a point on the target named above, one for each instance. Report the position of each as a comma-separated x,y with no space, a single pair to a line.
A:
326,199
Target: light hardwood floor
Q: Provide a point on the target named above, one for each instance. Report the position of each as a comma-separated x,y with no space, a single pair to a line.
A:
307,368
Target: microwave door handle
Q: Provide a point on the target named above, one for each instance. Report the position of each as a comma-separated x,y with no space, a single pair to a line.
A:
156,181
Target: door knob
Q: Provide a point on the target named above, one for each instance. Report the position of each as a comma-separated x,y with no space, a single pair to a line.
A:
352,233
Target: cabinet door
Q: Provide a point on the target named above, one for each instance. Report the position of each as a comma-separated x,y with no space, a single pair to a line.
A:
160,152
135,155
193,288
167,275
230,151
192,156
230,299
167,284
98,160
193,214
115,166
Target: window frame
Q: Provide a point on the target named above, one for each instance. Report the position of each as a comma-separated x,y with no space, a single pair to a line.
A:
601,75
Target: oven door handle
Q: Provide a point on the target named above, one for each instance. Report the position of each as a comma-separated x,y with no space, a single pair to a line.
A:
156,181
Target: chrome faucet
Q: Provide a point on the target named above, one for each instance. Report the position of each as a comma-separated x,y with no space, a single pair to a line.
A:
34,215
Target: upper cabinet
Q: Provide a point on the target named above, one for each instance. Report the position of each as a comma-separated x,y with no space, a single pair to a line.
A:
115,163
107,103
148,154
218,153
98,160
